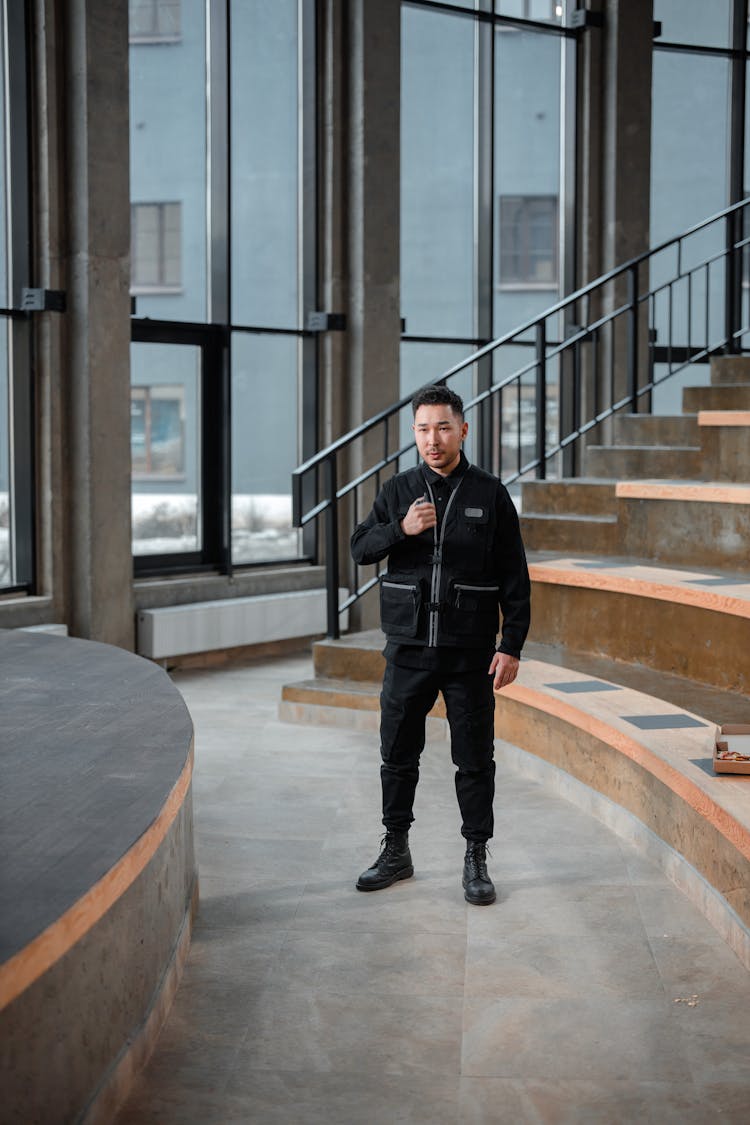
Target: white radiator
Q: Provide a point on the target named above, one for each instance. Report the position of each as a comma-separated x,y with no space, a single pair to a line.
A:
206,626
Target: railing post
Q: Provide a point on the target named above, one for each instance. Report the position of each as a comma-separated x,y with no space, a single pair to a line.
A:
632,355
541,398
332,550
733,275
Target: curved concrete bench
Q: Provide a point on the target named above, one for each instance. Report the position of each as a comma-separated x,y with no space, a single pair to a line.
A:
98,879
644,767
691,623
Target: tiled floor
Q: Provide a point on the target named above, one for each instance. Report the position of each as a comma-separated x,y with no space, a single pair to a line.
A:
592,992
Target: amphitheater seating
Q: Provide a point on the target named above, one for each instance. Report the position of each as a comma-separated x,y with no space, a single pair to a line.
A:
640,642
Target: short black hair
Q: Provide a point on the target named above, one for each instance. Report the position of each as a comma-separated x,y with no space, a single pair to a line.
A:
438,396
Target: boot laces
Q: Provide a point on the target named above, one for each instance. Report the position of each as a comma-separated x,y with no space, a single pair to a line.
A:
389,845
476,859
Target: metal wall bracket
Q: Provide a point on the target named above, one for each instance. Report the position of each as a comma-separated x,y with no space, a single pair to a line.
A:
325,322
43,300
582,19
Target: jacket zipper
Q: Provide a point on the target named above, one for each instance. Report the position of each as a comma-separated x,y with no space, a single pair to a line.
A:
437,566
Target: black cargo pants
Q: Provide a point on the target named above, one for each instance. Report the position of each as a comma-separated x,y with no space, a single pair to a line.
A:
407,696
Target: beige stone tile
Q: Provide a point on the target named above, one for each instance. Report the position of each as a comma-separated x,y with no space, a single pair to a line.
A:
364,1034
536,907
573,1038
424,903
342,1098
402,963
606,964
495,1101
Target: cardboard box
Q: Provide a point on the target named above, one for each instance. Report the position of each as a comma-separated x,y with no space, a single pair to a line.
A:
734,738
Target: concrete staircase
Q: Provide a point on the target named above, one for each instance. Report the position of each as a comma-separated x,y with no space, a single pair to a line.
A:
672,489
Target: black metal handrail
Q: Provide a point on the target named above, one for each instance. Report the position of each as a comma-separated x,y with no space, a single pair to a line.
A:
592,354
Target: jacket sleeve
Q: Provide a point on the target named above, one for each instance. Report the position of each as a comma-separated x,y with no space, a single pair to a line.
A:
515,587
374,537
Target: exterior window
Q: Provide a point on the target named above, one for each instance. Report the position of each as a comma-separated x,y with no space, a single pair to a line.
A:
547,11
157,431
154,21
528,240
156,236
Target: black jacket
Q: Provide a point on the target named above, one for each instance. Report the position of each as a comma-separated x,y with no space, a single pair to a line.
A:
444,587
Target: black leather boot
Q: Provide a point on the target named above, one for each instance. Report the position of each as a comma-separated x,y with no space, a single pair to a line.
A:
393,863
479,889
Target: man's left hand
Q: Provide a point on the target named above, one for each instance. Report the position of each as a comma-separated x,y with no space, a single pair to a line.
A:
504,668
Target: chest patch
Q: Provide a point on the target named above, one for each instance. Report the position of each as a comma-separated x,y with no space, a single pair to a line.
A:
479,515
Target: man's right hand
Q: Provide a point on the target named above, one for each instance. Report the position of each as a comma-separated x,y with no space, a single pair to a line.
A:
420,517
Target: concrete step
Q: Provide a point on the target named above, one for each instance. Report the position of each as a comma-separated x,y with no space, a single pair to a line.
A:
354,657
634,462
727,369
358,702
730,397
656,429
725,444
566,497
598,535
685,622
686,523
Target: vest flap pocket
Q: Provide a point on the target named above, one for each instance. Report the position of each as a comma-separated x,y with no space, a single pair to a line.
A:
399,606
473,608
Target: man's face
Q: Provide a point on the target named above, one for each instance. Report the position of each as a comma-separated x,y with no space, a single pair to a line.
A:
439,433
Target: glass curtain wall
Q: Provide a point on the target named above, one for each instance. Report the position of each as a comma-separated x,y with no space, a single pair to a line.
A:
223,271
481,209
693,176
271,278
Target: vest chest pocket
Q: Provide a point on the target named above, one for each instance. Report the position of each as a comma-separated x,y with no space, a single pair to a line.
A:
399,607
473,609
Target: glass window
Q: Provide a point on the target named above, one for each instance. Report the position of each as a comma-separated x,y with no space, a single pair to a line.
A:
695,22
154,21
438,274
265,446
265,179
239,218
156,252
158,432
168,162
165,408
528,161
689,162
528,240
546,11
688,141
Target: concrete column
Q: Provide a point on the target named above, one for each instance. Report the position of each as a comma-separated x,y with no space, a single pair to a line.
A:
615,168
374,34
361,71
97,458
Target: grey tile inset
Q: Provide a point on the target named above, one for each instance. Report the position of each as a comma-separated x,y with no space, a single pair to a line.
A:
717,582
594,564
574,686
662,722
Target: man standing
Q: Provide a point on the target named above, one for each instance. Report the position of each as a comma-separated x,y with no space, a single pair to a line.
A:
451,534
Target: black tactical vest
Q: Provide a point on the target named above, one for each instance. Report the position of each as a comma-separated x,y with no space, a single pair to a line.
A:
442,587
